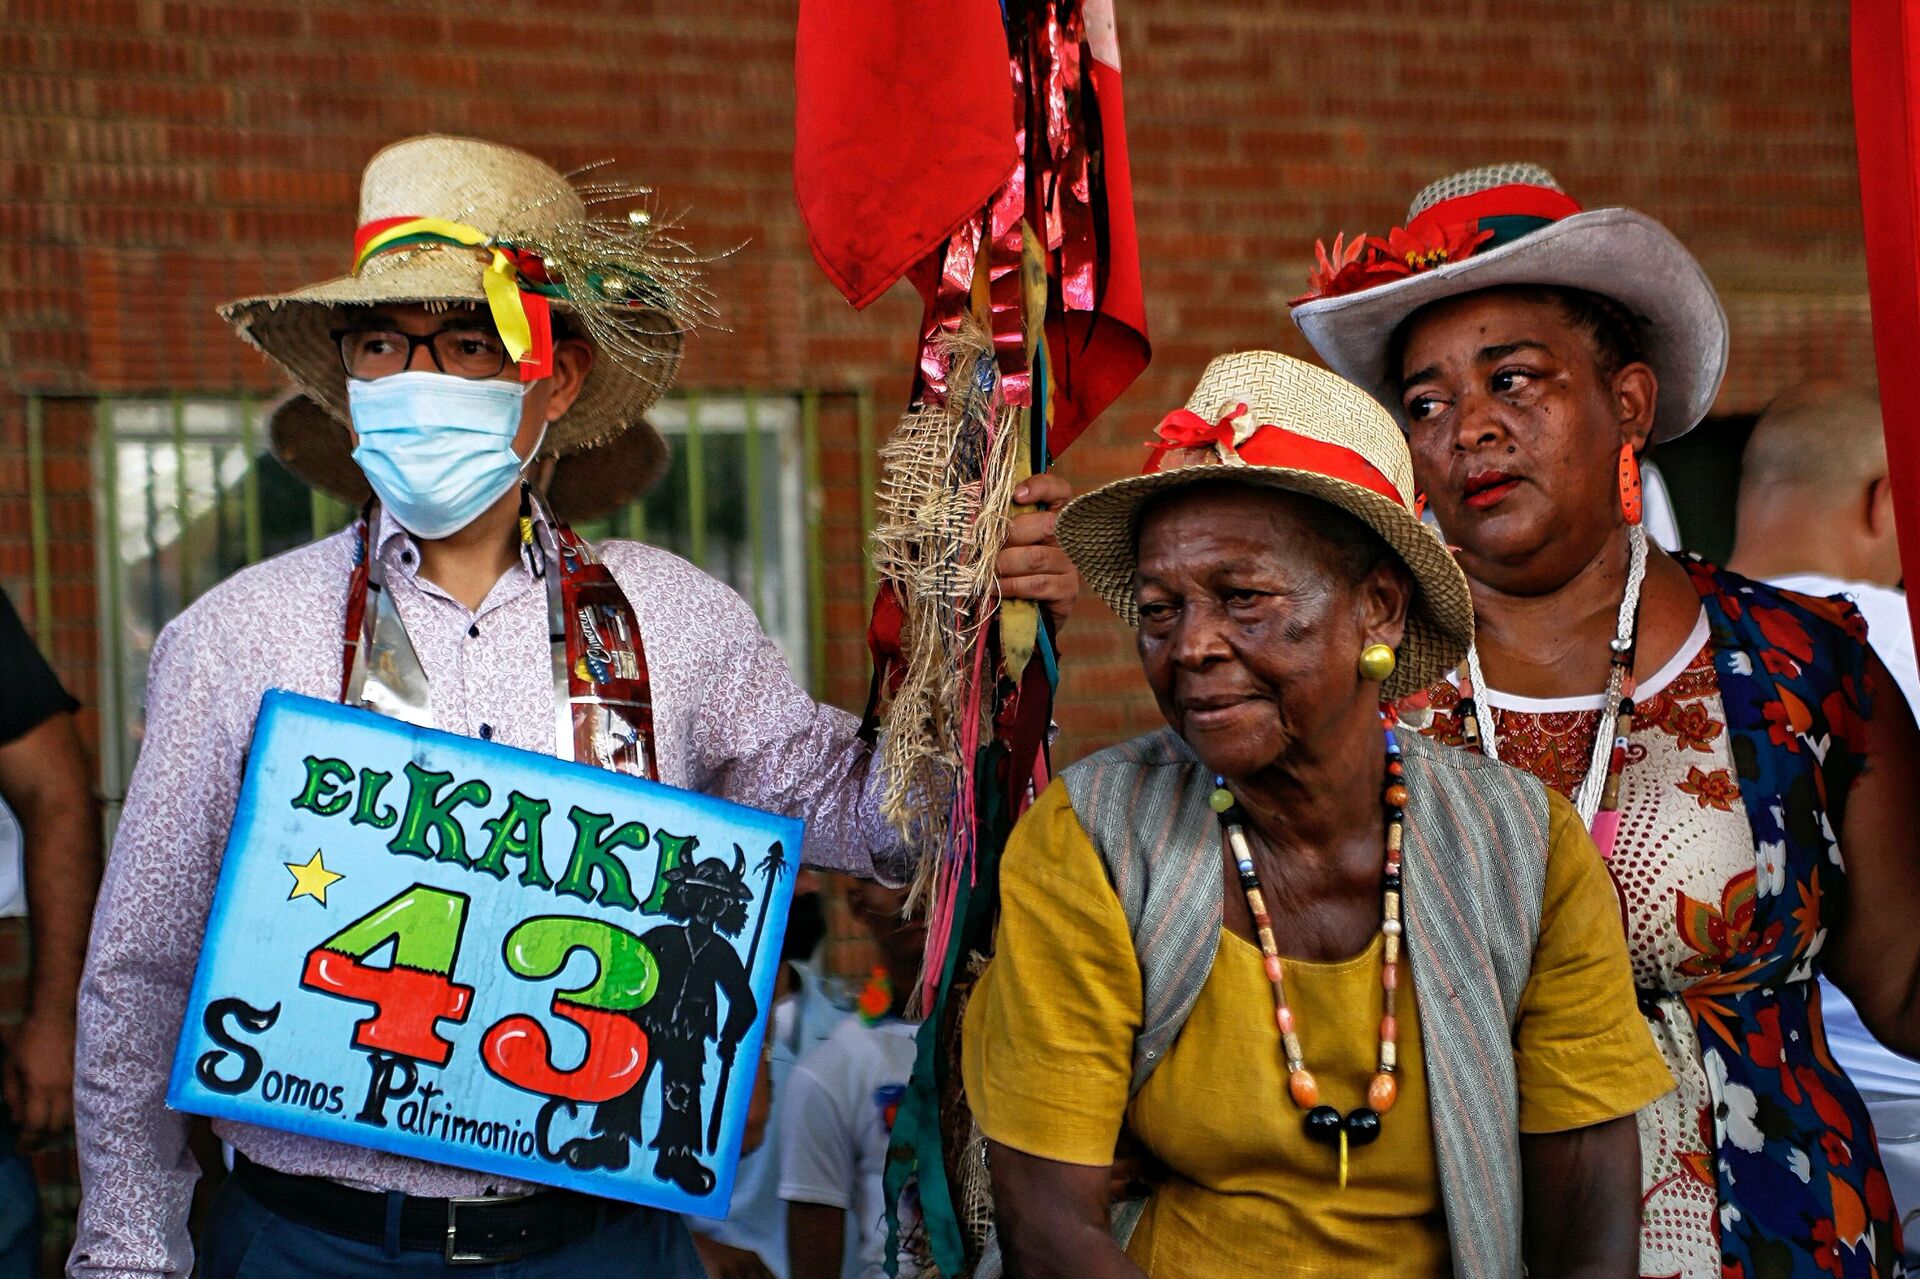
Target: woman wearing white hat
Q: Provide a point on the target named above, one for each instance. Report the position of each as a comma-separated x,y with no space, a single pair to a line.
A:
1743,761
1362,999
494,333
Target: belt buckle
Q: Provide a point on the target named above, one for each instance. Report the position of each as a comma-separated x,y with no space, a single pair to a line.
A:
453,1254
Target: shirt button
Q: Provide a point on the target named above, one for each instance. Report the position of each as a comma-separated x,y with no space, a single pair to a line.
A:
486,732
473,632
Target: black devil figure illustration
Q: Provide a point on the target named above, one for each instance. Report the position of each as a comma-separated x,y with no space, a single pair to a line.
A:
698,966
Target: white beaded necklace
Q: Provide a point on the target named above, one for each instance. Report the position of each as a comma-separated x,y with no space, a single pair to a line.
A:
1587,801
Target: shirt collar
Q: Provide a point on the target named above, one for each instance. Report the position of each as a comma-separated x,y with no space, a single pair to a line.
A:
399,550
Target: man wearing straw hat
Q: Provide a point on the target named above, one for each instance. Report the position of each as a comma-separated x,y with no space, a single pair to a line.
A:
495,337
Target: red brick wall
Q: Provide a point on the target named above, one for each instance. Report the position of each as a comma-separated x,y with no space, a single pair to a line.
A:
159,157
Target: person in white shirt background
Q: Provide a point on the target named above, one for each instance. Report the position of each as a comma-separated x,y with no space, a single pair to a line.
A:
835,1117
751,1242
1815,515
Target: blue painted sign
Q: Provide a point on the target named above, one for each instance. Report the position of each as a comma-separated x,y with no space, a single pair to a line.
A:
475,955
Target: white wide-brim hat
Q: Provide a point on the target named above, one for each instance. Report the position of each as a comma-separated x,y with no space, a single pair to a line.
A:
625,286
1267,419
1534,234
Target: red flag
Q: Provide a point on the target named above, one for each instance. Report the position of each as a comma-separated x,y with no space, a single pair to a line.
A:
1886,121
903,128
906,126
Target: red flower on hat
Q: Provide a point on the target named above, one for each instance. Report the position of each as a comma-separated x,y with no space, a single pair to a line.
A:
1369,260
1351,267
1336,271
1344,255
1423,248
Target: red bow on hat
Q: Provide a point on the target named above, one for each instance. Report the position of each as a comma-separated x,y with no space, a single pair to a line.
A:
1270,445
1185,429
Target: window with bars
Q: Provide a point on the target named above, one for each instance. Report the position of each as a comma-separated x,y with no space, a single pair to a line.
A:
188,494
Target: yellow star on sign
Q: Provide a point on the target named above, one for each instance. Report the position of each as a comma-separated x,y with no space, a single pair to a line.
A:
312,879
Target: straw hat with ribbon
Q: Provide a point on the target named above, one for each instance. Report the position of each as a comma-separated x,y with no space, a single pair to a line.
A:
1267,419
1511,224
451,221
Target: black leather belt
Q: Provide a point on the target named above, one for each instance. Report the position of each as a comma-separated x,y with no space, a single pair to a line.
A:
464,1231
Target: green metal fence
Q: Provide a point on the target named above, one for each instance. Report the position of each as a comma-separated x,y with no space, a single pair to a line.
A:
185,493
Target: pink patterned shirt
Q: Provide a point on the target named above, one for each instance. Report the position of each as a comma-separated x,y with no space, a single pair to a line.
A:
728,721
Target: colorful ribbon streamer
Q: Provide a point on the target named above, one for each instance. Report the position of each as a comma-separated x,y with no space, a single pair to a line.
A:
522,316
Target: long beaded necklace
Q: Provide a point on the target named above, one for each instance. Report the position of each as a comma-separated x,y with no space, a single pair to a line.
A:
1324,1124
1598,799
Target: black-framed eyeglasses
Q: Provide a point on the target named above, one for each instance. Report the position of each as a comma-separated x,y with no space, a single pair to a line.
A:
367,354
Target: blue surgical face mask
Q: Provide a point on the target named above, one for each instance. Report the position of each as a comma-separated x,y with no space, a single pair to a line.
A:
437,449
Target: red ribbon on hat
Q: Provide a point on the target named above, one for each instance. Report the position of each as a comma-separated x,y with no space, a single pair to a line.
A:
1270,445
1185,429
1514,200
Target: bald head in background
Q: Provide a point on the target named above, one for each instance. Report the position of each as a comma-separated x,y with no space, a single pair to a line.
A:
1814,493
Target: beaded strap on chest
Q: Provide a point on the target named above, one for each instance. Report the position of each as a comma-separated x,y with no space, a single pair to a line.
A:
603,706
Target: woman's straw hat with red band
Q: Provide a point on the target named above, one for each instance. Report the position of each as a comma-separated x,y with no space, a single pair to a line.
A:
455,221
1262,418
1511,224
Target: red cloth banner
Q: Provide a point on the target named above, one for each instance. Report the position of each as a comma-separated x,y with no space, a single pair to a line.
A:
903,129
924,133
1886,121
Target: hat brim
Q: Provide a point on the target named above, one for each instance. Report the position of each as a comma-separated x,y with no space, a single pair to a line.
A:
1098,530
1617,253
294,330
587,483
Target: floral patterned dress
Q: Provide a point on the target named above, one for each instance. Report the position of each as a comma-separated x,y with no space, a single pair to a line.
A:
1762,1162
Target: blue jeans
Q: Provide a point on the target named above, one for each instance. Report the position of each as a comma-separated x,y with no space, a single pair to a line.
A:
19,1207
243,1240
19,1213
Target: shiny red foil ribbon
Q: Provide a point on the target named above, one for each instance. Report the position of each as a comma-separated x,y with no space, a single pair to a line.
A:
1071,226
949,297
1006,301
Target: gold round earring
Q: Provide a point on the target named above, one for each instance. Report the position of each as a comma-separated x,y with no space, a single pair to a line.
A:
1376,662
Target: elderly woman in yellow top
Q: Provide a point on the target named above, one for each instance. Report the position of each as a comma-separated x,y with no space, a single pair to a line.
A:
1363,1001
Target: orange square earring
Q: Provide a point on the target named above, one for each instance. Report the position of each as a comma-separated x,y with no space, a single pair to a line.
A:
1629,484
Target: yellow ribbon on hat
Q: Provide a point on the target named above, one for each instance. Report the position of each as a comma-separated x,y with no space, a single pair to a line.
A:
502,278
